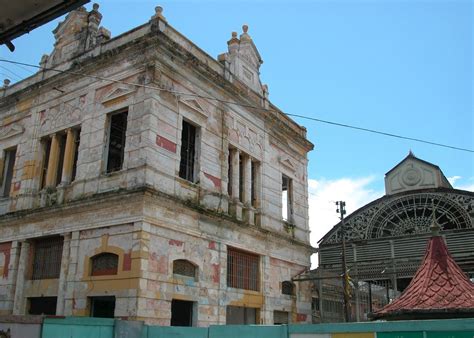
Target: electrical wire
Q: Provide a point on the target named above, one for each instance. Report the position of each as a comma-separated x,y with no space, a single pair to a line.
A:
243,105
13,73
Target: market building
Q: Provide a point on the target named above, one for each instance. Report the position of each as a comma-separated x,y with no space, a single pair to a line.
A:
386,239
144,179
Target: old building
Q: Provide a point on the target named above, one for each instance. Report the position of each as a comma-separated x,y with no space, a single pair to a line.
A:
144,179
386,239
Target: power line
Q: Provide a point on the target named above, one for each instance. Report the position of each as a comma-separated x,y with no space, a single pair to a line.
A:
244,105
13,73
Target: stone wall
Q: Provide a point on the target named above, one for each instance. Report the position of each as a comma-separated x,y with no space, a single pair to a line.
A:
145,213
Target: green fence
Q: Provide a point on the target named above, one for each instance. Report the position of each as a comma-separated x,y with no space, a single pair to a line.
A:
84,327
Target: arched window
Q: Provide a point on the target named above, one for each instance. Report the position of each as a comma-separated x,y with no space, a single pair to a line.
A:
104,264
184,268
287,288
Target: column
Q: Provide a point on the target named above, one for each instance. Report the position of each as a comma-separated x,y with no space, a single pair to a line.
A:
247,198
235,154
19,301
63,274
53,162
69,153
394,266
12,273
71,274
247,165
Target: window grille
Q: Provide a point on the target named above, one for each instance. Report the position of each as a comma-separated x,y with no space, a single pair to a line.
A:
188,151
47,257
117,131
287,288
242,270
184,268
7,175
104,264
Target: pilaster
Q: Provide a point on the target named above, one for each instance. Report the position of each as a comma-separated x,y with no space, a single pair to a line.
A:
63,275
19,303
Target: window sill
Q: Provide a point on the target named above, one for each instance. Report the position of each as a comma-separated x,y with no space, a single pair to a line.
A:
187,183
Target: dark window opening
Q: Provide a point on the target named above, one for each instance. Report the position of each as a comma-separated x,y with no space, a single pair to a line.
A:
103,307
46,150
76,154
286,198
287,288
181,313
117,131
242,270
104,264
241,178
280,317
7,176
229,173
237,315
188,151
184,268
42,306
315,304
253,184
62,149
47,257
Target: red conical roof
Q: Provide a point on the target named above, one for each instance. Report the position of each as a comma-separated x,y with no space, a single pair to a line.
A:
440,289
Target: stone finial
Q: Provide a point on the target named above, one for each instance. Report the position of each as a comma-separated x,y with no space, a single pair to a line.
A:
103,35
233,43
44,60
245,35
159,13
6,83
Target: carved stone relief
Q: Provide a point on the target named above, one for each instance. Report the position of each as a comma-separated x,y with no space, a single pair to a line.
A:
62,115
248,138
11,130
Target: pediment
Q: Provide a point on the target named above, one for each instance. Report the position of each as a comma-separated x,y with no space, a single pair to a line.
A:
288,163
195,105
11,130
413,173
116,93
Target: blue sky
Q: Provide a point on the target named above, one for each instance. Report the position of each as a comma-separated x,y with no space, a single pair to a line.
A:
404,67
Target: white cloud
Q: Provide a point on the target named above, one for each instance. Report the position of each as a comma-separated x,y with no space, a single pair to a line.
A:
461,186
323,194
453,179
468,187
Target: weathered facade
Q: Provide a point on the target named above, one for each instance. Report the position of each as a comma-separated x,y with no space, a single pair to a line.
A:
133,187
386,239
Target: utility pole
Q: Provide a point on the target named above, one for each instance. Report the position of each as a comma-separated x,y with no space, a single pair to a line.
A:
345,278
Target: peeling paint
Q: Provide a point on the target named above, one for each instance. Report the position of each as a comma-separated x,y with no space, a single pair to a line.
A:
164,143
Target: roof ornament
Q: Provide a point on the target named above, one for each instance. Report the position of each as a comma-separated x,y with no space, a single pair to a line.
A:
410,153
435,227
159,13
245,36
